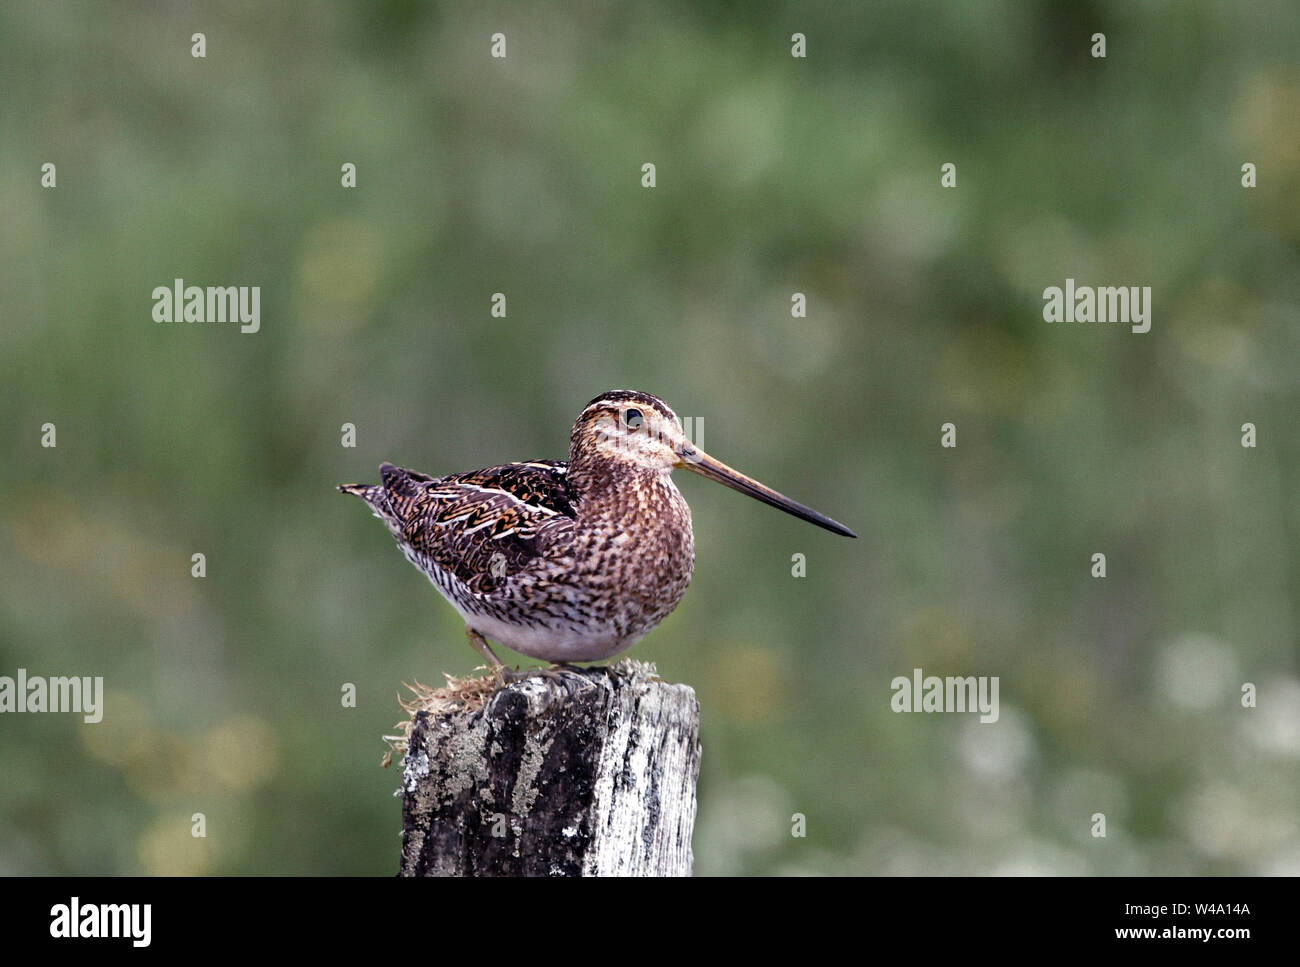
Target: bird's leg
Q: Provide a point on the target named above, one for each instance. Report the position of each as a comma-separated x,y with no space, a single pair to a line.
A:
560,670
480,644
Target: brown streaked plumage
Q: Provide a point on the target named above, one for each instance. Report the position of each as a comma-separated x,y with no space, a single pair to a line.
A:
571,561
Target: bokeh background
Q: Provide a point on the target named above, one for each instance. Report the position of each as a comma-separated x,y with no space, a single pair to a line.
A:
775,175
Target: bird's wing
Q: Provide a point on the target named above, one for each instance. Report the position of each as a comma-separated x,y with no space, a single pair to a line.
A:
485,525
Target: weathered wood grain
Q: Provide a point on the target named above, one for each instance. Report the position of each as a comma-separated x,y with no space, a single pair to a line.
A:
581,772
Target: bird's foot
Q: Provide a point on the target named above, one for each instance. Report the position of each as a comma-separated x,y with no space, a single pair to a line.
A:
565,674
505,676
509,676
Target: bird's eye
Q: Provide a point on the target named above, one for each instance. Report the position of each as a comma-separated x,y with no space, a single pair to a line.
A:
632,419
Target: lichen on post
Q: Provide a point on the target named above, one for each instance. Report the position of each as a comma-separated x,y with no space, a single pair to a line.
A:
575,772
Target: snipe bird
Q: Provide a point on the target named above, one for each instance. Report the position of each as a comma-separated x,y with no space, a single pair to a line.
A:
561,561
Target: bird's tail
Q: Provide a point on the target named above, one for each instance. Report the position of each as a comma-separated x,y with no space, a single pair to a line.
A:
367,492
373,495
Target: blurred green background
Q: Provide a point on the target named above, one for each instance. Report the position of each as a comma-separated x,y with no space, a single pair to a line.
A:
775,175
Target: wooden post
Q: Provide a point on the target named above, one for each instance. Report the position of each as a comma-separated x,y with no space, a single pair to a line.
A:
578,772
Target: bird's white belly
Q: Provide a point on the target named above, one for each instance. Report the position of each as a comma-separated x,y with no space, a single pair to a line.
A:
551,644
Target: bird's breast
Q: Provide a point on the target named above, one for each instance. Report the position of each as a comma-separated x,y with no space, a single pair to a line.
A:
635,548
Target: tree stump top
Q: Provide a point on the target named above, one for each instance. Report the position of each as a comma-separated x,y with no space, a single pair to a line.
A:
573,772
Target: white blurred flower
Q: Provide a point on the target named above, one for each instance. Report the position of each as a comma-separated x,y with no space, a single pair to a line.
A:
1195,671
1274,725
997,750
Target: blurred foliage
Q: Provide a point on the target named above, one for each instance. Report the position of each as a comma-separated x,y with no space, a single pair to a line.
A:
775,175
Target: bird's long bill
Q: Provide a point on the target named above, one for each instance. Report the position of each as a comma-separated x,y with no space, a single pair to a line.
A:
696,459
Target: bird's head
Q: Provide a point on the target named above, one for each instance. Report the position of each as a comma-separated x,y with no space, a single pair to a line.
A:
630,429
638,431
